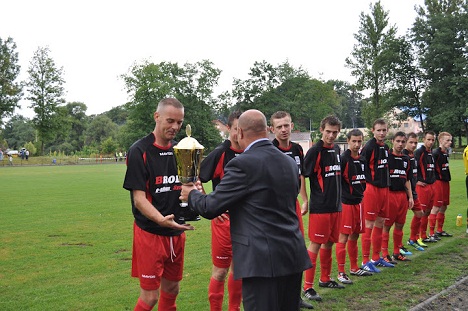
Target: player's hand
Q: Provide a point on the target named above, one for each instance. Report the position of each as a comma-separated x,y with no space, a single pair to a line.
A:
169,222
222,218
304,208
410,203
186,188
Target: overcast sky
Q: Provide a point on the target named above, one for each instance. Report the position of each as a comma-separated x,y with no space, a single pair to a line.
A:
97,41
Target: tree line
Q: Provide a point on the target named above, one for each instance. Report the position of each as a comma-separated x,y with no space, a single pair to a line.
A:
424,73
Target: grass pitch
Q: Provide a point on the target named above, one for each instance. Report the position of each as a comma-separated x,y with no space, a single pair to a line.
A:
66,239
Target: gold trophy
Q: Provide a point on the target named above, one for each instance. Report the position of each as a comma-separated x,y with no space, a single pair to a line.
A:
188,153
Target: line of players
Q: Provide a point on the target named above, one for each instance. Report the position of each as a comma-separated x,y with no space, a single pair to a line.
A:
365,191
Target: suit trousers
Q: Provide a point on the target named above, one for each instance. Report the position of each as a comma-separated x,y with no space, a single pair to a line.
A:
272,293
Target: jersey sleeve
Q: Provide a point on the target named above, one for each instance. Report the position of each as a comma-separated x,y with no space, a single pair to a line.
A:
136,176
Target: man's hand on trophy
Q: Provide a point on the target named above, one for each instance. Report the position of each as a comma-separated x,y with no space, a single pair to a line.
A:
168,221
186,188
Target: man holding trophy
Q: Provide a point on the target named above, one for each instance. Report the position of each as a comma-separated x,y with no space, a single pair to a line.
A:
158,234
269,252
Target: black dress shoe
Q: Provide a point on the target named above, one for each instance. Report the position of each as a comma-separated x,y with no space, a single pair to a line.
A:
304,305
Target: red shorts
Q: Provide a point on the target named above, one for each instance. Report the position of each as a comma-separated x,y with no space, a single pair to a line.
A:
221,245
351,219
397,208
156,256
441,193
417,205
375,202
324,228
299,215
426,196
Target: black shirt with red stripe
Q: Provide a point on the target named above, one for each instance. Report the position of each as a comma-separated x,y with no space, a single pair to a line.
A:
212,167
353,180
322,166
426,165
441,160
414,172
295,151
400,171
152,169
376,156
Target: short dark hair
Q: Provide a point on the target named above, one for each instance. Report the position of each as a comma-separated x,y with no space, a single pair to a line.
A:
330,120
279,115
379,121
169,101
354,132
412,135
399,134
429,133
233,116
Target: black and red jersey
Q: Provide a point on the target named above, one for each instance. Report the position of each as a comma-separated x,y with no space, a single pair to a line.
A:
322,166
441,160
152,169
295,151
426,165
400,171
376,156
212,167
414,172
353,179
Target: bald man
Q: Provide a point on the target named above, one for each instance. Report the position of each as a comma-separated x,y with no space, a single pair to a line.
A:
269,252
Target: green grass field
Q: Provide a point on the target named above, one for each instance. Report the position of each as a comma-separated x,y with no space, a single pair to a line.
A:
66,239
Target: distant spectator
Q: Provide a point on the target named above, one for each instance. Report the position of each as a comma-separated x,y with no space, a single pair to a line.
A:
27,154
1,155
10,159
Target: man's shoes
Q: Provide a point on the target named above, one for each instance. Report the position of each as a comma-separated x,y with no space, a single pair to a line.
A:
304,305
343,278
415,245
382,263
369,266
389,259
400,257
444,234
330,284
404,251
429,239
311,294
436,237
421,242
361,272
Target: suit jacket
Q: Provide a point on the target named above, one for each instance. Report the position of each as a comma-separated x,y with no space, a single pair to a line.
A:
259,189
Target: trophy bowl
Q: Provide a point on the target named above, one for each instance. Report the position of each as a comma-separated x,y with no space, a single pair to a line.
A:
188,154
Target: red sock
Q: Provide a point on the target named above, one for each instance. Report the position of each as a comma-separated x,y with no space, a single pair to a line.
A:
352,254
397,240
325,264
235,293
385,238
414,229
423,228
166,302
142,306
440,221
310,273
365,244
376,243
341,256
432,223
216,294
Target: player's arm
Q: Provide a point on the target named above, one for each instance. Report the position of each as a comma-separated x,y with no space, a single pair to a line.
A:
147,209
409,193
303,194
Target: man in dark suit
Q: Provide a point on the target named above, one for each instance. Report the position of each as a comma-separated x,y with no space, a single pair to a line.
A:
259,189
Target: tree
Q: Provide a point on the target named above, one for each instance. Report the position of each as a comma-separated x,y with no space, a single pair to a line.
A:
45,93
440,33
10,91
372,57
100,129
192,84
18,131
351,103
